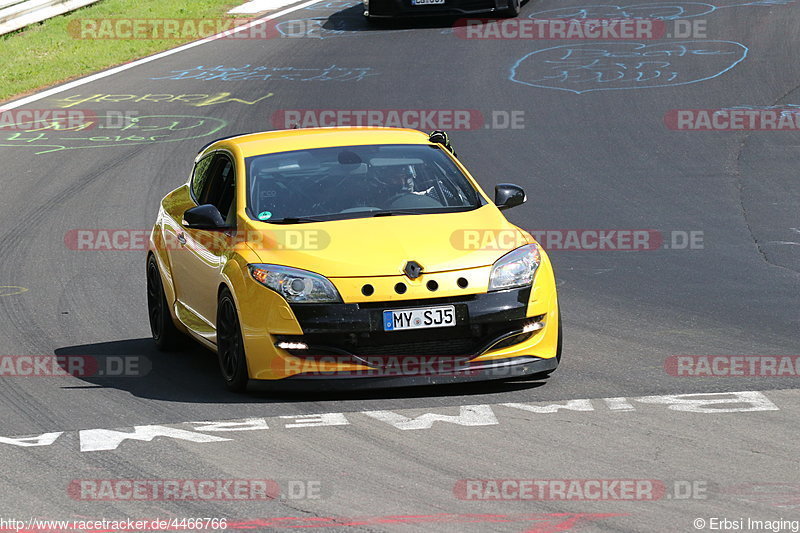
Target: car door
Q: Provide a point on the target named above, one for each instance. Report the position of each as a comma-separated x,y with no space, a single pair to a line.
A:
202,253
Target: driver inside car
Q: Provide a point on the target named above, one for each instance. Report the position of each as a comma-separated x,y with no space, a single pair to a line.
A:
395,180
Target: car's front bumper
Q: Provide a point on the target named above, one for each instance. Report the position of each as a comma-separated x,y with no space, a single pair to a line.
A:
347,339
495,337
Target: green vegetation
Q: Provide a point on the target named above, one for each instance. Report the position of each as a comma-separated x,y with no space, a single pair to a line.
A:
47,53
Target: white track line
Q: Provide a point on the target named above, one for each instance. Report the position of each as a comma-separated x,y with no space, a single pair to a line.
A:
259,6
126,66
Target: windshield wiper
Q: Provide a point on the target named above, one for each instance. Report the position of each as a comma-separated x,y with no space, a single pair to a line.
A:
393,212
294,220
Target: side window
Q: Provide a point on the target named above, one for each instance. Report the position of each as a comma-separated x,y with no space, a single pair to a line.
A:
220,186
200,176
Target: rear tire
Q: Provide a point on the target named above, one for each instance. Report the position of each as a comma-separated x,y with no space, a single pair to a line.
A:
230,344
165,334
513,10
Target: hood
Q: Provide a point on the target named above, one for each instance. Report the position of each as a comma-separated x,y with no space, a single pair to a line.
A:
381,246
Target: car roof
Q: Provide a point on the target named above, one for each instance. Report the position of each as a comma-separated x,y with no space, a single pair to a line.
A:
269,142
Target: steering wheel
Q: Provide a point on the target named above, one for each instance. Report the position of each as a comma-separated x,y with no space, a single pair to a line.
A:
416,201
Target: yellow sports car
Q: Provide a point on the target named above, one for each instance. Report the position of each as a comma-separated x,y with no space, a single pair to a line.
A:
349,257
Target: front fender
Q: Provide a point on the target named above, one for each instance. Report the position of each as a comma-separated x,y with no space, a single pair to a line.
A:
157,246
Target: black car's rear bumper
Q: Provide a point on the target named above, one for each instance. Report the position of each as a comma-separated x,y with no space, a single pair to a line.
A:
404,8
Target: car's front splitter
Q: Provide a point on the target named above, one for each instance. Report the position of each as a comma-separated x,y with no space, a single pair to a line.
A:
474,371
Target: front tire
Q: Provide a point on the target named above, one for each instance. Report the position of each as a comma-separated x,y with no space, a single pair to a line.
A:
230,344
560,343
165,334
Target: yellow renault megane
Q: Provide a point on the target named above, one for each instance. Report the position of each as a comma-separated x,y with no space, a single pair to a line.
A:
345,257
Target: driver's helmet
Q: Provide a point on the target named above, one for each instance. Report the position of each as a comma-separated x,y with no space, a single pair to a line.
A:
395,179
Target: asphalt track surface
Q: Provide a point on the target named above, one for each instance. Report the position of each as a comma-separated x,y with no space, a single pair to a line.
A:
597,159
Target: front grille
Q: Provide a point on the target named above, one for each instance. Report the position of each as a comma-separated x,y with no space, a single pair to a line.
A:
459,341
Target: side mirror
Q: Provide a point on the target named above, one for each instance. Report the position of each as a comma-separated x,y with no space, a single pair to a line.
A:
508,195
204,216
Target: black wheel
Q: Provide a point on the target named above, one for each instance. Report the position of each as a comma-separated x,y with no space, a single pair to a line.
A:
513,9
165,334
230,346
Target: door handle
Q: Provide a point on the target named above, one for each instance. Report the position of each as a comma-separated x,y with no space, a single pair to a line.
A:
182,238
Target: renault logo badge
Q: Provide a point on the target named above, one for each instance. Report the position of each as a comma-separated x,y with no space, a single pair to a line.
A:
413,270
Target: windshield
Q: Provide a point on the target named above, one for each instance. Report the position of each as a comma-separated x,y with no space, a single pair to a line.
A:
356,181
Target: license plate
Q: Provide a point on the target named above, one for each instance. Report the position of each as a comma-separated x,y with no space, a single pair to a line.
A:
421,317
426,2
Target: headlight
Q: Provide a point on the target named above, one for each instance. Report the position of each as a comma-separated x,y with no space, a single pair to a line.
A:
297,286
515,269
